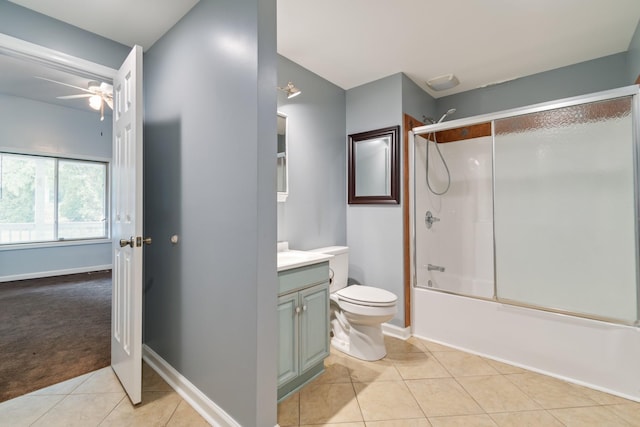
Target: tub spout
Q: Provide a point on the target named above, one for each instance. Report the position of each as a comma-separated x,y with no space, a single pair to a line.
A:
435,267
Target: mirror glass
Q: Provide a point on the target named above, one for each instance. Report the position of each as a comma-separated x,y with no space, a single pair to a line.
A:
282,176
374,166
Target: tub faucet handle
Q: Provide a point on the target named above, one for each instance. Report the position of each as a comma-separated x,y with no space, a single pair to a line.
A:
431,267
429,219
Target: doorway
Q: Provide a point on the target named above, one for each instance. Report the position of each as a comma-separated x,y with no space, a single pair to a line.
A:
131,101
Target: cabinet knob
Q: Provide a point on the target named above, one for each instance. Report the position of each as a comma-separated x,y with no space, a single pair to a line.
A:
297,310
304,308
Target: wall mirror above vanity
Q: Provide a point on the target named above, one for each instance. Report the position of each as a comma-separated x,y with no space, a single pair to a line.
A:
374,166
282,171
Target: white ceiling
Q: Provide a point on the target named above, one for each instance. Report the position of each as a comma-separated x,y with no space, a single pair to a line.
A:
480,41
352,42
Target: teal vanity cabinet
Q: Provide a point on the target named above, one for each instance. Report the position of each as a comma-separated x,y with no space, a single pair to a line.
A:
303,319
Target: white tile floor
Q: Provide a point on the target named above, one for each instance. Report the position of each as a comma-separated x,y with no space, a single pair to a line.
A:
97,399
418,384
422,384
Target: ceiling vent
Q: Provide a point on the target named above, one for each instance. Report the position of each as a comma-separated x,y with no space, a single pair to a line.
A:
445,82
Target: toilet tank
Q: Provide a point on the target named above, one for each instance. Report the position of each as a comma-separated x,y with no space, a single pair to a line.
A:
339,264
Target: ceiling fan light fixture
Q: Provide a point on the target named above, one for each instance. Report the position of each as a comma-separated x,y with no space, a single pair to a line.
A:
95,102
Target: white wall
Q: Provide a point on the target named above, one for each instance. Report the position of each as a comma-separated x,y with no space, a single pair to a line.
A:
600,355
462,241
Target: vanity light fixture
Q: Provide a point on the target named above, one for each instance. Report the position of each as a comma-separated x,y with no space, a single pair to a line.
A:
291,90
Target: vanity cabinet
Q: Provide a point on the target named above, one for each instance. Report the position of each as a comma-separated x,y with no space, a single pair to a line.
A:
303,319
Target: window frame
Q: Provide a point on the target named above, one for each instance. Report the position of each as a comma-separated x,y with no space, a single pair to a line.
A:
57,157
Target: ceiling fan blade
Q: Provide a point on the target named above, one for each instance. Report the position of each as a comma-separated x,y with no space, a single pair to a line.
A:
64,84
84,95
108,101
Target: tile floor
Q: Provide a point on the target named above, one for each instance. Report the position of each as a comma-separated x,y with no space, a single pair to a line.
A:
97,399
418,384
421,384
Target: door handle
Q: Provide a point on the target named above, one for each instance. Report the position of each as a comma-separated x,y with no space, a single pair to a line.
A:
125,242
140,241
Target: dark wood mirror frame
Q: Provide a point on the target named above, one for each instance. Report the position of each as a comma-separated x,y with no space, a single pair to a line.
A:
393,133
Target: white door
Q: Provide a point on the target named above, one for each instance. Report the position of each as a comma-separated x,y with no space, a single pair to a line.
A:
126,219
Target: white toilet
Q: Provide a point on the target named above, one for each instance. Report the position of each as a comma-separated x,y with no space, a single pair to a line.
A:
357,312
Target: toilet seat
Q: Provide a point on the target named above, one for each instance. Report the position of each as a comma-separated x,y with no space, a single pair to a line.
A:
367,296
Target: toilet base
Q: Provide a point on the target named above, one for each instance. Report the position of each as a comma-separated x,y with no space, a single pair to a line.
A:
364,342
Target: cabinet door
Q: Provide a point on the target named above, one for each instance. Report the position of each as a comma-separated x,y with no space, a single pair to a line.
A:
287,338
314,325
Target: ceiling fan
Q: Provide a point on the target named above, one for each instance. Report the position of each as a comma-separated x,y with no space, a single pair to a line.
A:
99,94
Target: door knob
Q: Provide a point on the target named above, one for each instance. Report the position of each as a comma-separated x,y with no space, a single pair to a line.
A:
125,242
140,241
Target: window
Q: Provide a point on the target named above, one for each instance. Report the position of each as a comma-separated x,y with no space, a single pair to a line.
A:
46,199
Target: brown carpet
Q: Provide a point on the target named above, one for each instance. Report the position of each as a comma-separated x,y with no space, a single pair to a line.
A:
53,329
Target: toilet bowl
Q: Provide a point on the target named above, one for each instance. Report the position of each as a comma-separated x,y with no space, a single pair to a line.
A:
357,311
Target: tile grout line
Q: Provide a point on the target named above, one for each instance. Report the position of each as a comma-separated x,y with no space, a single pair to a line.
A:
355,394
532,398
404,381
112,409
48,410
65,396
172,413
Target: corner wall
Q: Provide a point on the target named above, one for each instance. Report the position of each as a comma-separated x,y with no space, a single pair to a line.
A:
314,214
210,149
416,102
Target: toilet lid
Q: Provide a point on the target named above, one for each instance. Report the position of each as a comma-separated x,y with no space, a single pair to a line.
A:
367,295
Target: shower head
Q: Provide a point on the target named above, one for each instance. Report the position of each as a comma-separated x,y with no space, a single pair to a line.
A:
428,120
448,113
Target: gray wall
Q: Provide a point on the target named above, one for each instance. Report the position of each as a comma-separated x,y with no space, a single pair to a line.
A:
634,56
374,232
33,127
314,214
210,147
27,124
604,73
22,23
416,102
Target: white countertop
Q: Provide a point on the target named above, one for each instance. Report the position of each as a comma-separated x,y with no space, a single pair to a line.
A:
293,259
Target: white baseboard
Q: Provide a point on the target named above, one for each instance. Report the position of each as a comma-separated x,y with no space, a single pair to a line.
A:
211,412
52,273
396,331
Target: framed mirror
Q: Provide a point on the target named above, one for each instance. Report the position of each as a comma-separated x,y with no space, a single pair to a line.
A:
282,171
374,167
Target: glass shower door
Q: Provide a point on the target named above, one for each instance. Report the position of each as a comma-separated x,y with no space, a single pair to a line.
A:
564,200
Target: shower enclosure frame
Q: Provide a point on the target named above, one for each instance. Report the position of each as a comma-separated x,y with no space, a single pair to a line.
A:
628,91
